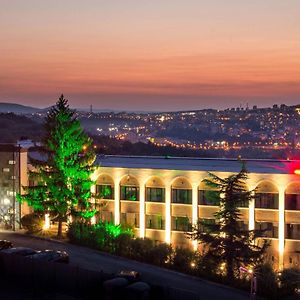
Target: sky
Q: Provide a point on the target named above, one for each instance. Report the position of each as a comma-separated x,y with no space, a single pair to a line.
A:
150,55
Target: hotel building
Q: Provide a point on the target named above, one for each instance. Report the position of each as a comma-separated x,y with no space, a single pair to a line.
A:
160,197
13,175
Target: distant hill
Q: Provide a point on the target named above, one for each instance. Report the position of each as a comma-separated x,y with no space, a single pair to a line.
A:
14,127
17,108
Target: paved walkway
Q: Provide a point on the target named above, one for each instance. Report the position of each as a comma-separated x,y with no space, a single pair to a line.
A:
95,260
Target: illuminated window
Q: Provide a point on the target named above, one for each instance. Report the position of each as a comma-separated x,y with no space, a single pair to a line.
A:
183,196
292,231
181,224
130,193
266,200
130,219
292,201
204,200
269,229
105,191
155,194
155,222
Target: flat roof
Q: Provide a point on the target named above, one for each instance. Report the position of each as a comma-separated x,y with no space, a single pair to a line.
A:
198,164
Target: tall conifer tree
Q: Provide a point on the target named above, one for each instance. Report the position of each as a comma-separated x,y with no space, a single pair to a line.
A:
63,173
227,243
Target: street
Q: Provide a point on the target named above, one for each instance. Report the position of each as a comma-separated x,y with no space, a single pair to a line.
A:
94,260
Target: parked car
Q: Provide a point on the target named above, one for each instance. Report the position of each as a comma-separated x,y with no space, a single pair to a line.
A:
22,251
130,275
51,255
5,244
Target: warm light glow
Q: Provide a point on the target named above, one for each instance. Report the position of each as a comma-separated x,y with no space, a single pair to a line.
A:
93,220
46,222
168,214
142,211
193,265
297,171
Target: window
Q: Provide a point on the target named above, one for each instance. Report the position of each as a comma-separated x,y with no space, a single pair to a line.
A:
203,228
155,222
13,177
105,191
181,224
266,200
11,162
292,201
292,231
5,170
203,199
130,193
270,230
182,196
131,219
11,193
155,194
106,216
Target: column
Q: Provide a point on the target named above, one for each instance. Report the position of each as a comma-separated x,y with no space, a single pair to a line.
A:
93,199
195,211
168,214
252,213
142,210
281,225
117,201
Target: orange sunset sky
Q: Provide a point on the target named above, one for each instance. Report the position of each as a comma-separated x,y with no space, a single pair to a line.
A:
150,55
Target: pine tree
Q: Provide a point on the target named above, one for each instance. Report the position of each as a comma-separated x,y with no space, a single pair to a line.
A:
63,174
227,244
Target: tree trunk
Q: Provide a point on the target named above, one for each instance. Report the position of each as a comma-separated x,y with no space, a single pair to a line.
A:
59,229
230,271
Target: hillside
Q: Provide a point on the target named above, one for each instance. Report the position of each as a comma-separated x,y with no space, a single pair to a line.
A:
13,127
17,108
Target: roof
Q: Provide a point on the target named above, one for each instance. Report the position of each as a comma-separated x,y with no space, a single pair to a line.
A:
198,164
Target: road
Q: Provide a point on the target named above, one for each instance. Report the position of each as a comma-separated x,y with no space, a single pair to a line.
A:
94,260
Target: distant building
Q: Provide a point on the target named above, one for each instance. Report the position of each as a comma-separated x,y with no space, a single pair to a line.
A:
13,175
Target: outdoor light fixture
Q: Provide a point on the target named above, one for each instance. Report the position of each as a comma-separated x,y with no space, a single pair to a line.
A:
297,171
46,222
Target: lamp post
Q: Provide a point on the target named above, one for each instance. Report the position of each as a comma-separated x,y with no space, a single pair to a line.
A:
253,287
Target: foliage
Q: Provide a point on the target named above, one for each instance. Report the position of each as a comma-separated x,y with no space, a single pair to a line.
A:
161,254
289,280
184,259
225,241
102,236
267,285
32,222
141,247
62,175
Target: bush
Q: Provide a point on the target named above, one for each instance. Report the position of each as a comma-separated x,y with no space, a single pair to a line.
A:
289,281
184,260
123,245
161,254
32,222
141,249
266,281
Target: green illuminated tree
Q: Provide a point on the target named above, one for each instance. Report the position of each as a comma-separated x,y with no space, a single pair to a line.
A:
63,172
227,243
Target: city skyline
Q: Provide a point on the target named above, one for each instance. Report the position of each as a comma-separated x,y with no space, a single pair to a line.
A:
150,56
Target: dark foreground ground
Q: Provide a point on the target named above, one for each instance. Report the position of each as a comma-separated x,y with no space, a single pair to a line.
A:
97,261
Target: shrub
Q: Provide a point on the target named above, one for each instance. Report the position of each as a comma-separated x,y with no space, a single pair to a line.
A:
289,281
141,249
161,254
184,260
32,222
123,245
266,281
